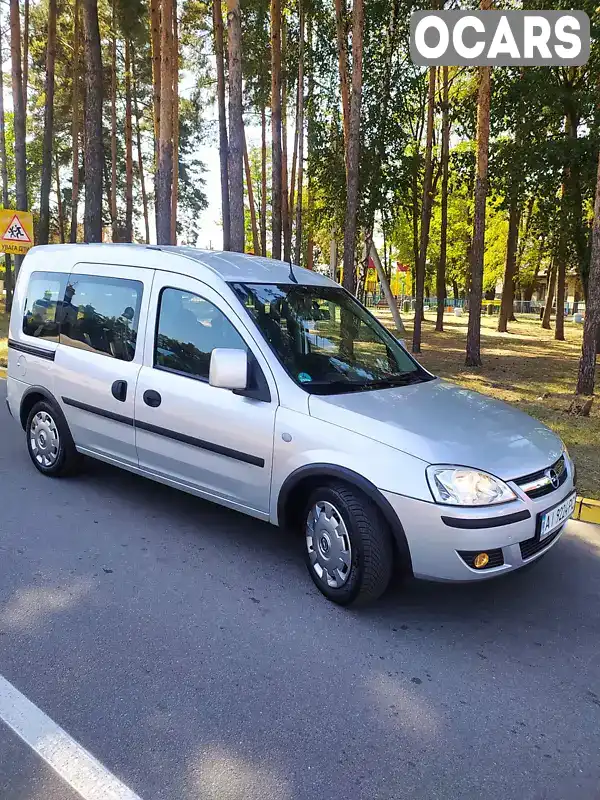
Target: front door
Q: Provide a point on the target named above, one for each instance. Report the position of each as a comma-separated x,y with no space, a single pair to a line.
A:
99,357
212,440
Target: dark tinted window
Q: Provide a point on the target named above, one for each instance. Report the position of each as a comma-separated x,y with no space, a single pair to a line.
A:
189,329
101,315
44,297
327,341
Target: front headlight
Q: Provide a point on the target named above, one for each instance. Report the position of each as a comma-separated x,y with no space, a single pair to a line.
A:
461,486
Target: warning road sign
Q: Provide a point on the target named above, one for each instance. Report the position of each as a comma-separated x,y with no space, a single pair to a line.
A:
16,231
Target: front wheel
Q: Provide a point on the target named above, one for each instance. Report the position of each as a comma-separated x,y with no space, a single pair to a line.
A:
349,551
49,441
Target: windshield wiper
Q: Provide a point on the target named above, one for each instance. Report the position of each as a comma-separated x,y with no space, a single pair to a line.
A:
327,387
402,379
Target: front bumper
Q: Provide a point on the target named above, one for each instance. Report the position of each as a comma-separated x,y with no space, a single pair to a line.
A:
435,545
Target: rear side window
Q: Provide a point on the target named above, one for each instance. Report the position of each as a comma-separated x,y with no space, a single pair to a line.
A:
189,329
45,295
101,315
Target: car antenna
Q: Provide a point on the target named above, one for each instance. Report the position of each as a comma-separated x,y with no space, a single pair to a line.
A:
292,277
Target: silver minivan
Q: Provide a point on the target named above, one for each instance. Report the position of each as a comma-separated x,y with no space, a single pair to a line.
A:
271,390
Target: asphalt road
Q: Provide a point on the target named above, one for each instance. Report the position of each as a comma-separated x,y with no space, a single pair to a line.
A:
185,647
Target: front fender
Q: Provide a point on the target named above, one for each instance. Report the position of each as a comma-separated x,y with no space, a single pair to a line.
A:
307,447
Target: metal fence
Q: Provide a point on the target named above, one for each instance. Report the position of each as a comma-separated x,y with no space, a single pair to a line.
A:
490,307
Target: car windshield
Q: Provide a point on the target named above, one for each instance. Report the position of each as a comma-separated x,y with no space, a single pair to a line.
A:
327,342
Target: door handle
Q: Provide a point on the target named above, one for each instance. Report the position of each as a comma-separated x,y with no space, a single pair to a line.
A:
152,398
119,390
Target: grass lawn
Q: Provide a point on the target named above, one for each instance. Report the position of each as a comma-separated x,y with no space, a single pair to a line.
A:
525,367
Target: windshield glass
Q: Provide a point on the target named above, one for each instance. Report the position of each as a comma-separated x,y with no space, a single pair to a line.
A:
327,342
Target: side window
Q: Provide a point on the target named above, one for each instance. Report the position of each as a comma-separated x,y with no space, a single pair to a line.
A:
42,306
189,329
101,315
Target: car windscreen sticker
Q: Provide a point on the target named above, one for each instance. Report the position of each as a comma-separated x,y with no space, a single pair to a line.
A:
304,377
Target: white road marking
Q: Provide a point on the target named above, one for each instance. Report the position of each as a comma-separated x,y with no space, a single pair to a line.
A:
84,773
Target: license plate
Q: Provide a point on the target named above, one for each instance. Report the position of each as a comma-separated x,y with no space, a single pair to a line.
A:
552,519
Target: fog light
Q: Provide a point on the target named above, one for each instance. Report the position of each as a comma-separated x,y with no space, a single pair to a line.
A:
481,560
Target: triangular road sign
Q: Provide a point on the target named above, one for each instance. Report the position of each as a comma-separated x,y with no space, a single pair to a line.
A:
15,232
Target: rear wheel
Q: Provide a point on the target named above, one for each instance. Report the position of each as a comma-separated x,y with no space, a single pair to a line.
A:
349,552
49,441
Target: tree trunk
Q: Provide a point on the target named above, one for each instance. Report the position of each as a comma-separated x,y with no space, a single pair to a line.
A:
527,293
387,292
521,248
263,182
223,146
561,263
353,150
310,240
285,211
25,56
255,236
276,165
46,178
140,159
235,162
591,328
292,200
473,350
93,156
164,172
310,123
333,256
113,128
155,27
550,296
342,48
75,125
8,284
128,147
59,202
175,112
425,215
19,115
445,156
510,268
300,129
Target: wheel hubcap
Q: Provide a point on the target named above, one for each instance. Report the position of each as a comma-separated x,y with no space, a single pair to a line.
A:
43,439
328,544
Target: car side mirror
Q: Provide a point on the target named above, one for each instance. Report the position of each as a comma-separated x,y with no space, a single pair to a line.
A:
228,368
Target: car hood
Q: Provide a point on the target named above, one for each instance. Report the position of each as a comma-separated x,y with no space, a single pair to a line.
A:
441,423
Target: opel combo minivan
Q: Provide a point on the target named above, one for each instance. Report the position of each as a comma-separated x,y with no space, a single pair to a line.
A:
271,390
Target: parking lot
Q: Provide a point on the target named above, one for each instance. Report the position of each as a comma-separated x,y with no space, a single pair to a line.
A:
186,648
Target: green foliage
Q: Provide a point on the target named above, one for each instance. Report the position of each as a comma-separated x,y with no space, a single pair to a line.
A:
192,198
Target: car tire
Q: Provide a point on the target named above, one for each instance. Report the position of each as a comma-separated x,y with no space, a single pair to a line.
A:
348,545
49,441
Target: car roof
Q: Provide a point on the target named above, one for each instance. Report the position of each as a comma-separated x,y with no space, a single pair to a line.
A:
231,267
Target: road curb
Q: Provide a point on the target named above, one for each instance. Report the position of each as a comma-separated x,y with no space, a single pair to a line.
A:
587,510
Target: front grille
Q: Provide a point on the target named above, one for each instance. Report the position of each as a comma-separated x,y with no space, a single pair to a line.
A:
538,484
496,558
532,546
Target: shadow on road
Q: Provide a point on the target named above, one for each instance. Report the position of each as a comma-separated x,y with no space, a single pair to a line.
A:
185,645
